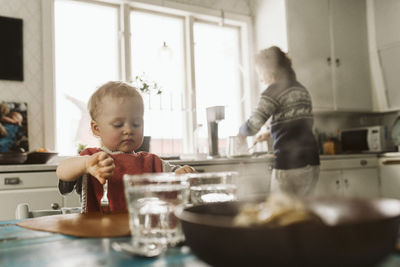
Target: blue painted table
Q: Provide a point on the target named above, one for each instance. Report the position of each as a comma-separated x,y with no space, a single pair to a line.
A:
24,247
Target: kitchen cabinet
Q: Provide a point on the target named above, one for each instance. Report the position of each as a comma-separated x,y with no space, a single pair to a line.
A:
35,186
389,172
349,177
387,44
327,42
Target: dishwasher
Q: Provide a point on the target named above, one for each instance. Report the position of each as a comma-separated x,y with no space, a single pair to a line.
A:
389,172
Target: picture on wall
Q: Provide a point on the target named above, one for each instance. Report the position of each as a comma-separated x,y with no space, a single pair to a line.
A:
13,127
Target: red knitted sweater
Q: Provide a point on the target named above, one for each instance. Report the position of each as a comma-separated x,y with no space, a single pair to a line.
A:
137,163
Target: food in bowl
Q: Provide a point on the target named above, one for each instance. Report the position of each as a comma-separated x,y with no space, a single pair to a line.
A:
278,210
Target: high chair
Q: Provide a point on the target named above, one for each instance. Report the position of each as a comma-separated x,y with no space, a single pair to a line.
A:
22,212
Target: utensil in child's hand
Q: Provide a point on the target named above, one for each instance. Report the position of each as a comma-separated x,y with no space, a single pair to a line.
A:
104,203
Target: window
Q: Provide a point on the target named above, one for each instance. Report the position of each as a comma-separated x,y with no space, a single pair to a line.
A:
218,82
196,62
86,55
157,49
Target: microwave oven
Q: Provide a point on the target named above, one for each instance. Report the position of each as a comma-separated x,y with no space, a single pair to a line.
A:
366,139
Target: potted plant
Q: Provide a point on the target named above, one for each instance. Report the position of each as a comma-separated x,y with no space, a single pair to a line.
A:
146,87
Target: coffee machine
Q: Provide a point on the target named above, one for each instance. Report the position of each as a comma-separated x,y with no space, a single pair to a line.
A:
214,115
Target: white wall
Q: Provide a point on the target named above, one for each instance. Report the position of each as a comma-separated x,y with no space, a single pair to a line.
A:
30,90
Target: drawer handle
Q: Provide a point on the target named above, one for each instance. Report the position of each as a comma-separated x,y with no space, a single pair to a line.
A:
55,206
12,181
363,162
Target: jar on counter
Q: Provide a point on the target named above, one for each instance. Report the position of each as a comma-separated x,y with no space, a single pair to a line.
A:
331,147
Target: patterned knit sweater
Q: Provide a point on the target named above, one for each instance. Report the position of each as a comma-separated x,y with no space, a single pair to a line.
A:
289,104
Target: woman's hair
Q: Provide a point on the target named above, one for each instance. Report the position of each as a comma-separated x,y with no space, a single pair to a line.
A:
114,89
274,63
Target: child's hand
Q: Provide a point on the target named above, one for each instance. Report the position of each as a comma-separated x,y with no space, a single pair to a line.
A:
101,166
185,169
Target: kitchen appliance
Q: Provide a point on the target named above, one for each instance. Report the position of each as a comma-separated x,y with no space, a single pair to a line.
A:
214,115
366,139
396,133
348,236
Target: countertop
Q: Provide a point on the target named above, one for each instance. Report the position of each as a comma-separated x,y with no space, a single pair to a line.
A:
267,158
263,158
24,247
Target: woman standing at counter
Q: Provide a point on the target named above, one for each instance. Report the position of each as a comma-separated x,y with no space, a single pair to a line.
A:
296,155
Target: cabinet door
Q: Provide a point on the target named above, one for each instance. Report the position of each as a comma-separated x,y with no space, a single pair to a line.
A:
350,63
37,199
329,183
387,21
361,182
254,179
390,180
309,47
390,60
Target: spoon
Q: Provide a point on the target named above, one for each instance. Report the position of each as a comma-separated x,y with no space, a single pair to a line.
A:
148,251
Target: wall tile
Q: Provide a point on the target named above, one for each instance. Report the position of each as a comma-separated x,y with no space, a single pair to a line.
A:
30,90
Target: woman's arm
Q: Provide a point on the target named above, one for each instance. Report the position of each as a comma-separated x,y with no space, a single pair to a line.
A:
265,108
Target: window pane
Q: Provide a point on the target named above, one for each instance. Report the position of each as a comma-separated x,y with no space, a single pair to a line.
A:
86,56
158,53
218,82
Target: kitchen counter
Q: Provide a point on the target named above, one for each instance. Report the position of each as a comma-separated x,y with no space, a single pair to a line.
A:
27,167
268,158
24,247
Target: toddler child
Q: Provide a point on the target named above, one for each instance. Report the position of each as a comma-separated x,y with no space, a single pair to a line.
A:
116,110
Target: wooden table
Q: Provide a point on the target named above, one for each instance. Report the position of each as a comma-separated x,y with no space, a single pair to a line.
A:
24,247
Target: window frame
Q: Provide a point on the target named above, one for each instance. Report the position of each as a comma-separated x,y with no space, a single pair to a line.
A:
190,14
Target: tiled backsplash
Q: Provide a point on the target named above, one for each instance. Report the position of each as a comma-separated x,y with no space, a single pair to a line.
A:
331,123
30,90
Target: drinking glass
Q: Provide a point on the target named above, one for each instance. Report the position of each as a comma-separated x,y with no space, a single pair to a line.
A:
212,187
151,200
209,193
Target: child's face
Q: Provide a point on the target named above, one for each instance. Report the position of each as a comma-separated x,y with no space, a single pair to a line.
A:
119,124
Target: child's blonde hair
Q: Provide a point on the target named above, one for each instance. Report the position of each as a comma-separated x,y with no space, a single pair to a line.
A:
115,89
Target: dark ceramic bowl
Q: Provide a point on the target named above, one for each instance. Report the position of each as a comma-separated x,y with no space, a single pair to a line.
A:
13,157
356,232
39,157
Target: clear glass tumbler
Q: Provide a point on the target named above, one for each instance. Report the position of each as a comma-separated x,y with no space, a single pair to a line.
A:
209,193
152,199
